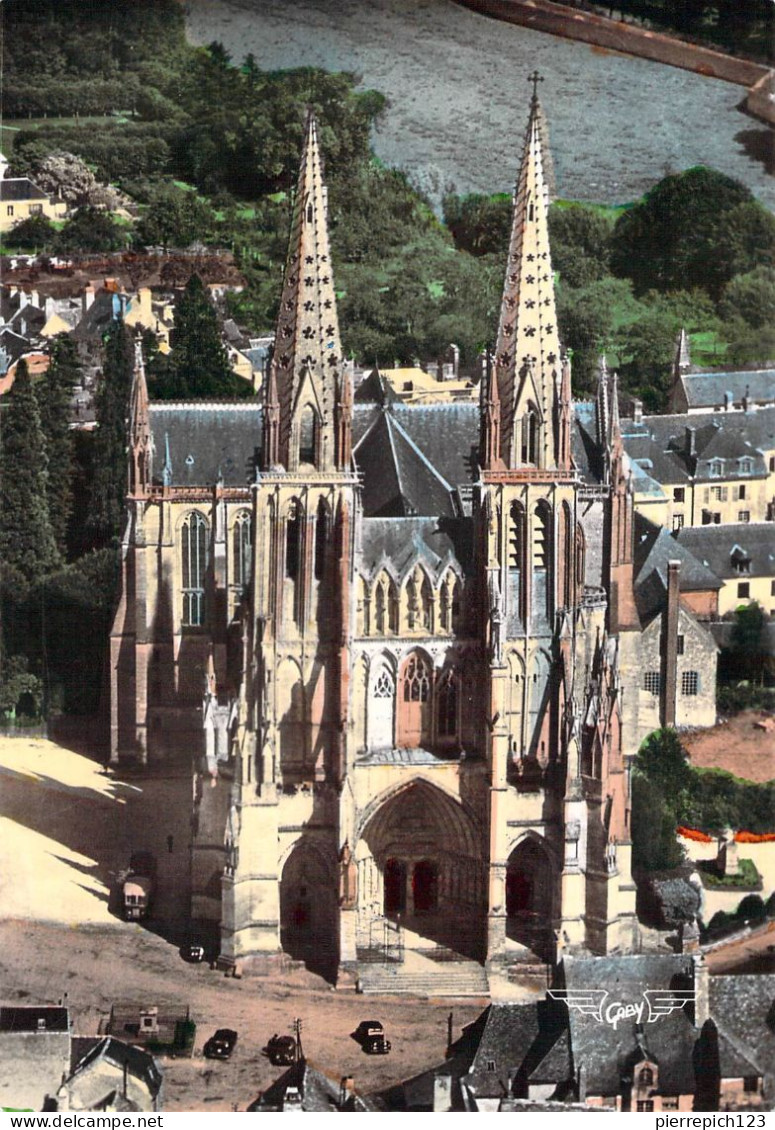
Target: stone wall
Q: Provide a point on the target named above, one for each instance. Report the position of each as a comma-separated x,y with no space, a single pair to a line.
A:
558,19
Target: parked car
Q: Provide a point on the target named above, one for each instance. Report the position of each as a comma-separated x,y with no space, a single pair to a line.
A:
281,1050
371,1036
192,951
221,1044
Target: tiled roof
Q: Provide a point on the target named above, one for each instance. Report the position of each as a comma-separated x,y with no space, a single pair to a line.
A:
718,547
654,547
138,1062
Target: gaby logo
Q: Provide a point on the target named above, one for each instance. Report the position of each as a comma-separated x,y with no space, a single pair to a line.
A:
653,1004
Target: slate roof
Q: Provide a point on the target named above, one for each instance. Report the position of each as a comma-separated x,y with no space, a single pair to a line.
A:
516,1041
654,547
399,479
319,1094
607,1053
24,1018
417,1093
718,547
710,389
743,1007
728,436
20,188
584,447
206,440
139,1063
401,542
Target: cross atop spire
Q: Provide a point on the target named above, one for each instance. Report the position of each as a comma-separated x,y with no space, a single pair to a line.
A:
308,352
535,78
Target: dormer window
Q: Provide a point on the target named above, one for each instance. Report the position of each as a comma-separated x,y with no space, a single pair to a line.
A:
741,562
716,468
746,466
646,1077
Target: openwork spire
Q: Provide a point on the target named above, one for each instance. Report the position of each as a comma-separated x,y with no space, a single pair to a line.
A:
139,428
528,349
308,352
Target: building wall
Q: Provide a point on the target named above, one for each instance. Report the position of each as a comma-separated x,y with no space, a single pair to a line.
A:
32,1065
13,212
743,590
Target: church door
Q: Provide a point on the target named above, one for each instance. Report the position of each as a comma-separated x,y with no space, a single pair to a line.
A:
425,886
395,887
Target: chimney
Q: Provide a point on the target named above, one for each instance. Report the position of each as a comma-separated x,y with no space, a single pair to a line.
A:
637,411
88,297
747,398
701,990
346,1090
690,445
442,1094
670,648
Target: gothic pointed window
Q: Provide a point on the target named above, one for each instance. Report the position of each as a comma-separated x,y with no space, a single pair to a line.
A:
567,557
194,559
530,436
321,541
426,606
380,607
445,612
293,542
415,717
241,556
543,580
446,706
516,537
381,708
308,435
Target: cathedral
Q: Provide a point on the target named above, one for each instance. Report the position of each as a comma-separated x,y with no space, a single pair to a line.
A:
404,644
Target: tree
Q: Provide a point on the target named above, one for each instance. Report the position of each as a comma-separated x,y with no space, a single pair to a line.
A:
36,233
662,759
54,392
479,224
27,544
580,240
751,297
668,240
654,846
90,230
175,218
748,655
109,485
198,366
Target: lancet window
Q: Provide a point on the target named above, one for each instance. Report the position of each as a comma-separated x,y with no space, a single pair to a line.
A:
194,558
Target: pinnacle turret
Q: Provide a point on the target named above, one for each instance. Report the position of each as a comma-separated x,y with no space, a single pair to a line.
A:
308,353
139,428
528,349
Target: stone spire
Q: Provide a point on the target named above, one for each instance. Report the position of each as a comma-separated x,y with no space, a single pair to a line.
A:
308,353
139,429
683,357
528,349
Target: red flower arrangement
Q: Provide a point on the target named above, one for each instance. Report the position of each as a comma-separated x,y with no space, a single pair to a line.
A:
755,837
695,834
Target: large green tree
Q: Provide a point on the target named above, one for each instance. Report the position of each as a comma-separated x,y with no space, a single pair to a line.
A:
668,240
54,392
109,484
198,366
28,547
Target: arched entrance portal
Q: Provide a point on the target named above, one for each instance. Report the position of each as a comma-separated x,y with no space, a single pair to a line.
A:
308,907
529,896
420,866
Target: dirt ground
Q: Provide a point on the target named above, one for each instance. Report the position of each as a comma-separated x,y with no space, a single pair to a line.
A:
66,829
737,745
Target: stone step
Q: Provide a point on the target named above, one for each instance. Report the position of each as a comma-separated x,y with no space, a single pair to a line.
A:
454,980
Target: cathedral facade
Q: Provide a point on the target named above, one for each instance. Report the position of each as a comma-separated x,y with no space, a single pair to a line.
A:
403,643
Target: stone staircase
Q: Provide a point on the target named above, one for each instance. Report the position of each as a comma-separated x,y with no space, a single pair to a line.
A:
425,979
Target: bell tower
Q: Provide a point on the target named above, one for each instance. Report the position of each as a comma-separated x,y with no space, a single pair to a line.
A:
532,577
294,711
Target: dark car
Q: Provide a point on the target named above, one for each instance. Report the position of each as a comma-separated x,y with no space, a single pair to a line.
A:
281,1050
221,1044
192,951
371,1036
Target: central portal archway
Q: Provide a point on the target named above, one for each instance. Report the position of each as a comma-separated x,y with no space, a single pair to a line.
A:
420,866
530,882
